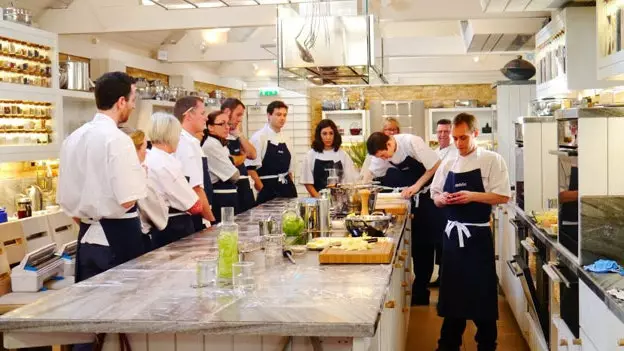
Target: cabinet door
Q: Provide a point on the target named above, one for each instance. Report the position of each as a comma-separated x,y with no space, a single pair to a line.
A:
587,343
565,338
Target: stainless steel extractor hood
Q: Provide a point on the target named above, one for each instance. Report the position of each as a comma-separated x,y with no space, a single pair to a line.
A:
335,50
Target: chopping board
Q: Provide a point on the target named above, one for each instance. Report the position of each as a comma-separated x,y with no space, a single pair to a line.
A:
381,252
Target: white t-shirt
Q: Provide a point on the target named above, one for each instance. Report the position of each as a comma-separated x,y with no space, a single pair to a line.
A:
221,167
99,170
165,171
493,171
259,140
189,153
450,151
407,145
350,174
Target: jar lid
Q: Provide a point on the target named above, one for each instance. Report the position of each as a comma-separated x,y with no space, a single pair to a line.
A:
24,200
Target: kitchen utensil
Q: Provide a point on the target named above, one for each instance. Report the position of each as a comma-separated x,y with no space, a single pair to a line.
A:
309,211
380,253
36,197
289,255
77,75
518,69
466,103
344,99
323,214
374,225
63,76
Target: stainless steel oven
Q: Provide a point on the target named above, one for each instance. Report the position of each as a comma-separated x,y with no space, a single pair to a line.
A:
519,154
565,290
567,159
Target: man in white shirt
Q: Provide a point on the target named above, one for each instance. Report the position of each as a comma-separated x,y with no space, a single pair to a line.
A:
467,186
101,179
191,113
405,160
240,150
272,170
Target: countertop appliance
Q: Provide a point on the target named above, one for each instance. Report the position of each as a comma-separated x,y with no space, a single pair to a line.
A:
67,253
36,268
409,113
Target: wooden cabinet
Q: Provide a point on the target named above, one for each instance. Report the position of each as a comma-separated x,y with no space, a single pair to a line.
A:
610,28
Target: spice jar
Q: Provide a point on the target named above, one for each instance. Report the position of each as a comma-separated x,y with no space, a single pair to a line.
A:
24,208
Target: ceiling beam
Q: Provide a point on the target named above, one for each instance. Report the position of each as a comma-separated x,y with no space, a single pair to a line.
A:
85,17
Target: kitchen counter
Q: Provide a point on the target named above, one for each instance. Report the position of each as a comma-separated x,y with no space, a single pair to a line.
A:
598,283
153,294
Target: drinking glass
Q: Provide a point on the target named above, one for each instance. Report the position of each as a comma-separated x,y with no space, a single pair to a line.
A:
243,275
273,249
206,270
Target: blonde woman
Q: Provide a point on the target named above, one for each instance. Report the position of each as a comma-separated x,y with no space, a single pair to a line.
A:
166,173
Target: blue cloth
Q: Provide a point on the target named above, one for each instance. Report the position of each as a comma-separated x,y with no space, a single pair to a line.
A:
605,266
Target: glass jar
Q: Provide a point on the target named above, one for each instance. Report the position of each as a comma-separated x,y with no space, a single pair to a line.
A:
293,227
24,208
227,242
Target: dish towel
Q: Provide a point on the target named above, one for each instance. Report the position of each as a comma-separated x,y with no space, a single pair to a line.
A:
605,266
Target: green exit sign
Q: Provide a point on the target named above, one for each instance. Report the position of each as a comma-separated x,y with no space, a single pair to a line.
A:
269,92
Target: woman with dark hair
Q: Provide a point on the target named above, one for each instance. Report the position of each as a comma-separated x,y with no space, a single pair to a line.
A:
325,155
223,173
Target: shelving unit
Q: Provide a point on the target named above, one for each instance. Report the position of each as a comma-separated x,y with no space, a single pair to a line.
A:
345,119
610,48
563,61
141,117
485,115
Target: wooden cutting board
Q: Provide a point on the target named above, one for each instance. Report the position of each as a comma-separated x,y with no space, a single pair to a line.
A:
380,253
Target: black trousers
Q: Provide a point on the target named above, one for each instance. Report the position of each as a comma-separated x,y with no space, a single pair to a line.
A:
453,329
423,249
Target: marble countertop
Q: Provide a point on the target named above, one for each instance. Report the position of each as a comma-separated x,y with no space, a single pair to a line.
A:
598,283
154,294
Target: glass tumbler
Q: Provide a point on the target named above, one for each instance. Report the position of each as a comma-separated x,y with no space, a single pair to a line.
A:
206,270
273,249
243,275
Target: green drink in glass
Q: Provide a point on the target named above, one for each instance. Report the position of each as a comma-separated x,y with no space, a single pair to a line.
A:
227,242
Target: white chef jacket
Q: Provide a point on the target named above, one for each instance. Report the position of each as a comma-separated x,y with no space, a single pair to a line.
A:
259,140
153,211
350,174
450,151
407,145
221,167
165,171
189,153
99,170
493,171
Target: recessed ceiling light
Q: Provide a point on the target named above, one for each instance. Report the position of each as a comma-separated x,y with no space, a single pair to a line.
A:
476,59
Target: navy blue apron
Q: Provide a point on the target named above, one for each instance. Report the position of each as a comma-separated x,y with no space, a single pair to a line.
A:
179,225
321,173
276,162
568,213
225,195
468,282
245,195
197,219
125,240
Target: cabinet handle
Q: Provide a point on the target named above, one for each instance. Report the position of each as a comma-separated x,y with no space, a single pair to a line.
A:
390,304
401,258
398,265
405,309
403,252
404,284
621,342
577,342
406,241
563,342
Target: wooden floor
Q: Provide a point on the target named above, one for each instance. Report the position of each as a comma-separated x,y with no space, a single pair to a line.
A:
424,329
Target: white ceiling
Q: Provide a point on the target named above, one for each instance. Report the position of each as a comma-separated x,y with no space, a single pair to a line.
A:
421,37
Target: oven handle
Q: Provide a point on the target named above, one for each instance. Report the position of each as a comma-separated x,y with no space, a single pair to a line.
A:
512,267
555,275
570,153
530,247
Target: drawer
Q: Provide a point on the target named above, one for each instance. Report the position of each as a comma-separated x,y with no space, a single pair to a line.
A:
536,337
599,324
588,345
565,338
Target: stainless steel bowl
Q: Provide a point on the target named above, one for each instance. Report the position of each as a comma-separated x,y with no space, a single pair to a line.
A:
374,225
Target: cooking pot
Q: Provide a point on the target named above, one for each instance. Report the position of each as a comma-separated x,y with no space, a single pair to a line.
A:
77,75
518,69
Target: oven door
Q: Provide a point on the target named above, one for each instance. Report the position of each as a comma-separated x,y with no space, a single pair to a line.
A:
567,296
519,151
538,312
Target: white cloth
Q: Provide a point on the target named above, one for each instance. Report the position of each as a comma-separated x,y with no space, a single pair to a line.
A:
462,229
165,171
350,174
221,167
407,145
189,153
259,140
99,171
494,172
450,151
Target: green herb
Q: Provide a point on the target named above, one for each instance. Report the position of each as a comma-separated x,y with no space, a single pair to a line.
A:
357,152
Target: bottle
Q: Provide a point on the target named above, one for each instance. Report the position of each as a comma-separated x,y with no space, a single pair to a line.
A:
227,242
3,215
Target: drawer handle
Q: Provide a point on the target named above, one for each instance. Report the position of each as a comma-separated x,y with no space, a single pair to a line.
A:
406,241
390,304
401,258
404,284
621,342
563,342
398,265
577,342
405,310
403,252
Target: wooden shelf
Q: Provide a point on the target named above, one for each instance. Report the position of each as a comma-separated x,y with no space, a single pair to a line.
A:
77,95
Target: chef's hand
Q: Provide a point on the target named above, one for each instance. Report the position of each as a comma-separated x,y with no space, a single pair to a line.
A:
442,200
409,192
460,198
235,131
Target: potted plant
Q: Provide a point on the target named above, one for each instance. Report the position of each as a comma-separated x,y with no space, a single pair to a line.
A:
357,152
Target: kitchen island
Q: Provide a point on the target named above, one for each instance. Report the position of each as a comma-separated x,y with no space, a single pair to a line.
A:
152,300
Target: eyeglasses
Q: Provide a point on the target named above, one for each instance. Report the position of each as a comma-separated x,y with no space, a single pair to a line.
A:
219,124
204,114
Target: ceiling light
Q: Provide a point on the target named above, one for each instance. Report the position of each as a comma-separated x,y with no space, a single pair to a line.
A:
255,66
216,35
476,59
